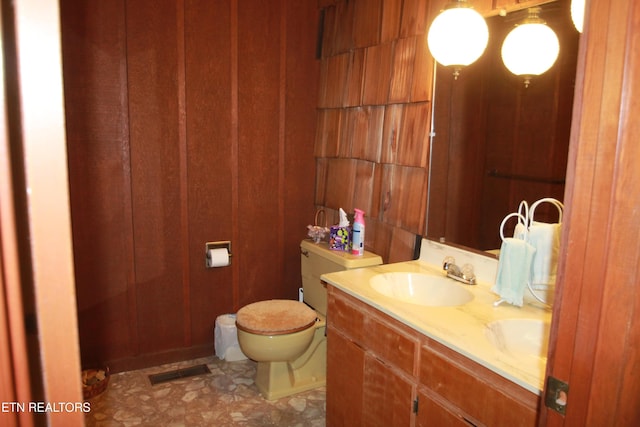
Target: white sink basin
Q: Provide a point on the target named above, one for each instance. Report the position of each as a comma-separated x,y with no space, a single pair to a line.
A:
520,338
421,289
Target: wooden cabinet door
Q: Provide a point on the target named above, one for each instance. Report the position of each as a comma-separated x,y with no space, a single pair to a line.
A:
432,413
345,379
483,394
387,395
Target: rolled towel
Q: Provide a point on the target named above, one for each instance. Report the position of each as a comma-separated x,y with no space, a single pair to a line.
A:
545,238
514,270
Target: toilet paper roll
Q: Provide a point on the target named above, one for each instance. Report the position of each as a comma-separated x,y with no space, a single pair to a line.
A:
218,257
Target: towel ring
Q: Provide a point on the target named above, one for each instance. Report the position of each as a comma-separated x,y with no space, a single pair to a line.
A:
557,203
523,210
504,221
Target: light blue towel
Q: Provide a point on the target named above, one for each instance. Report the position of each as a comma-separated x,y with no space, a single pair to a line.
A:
545,238
514,270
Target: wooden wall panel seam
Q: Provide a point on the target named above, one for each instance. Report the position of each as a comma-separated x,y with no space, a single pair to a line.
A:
182,144
235,266
132,297
282,122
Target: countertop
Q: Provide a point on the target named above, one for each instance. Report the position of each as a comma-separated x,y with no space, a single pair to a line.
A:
461,328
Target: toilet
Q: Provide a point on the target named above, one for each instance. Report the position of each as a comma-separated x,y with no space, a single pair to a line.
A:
287,338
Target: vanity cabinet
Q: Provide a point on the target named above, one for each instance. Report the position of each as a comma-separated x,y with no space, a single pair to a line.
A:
370,366
470,392
380,372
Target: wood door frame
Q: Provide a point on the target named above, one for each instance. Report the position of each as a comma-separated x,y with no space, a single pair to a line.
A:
36,247
593,333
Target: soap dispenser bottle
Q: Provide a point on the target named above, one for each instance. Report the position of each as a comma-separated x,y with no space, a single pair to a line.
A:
357,240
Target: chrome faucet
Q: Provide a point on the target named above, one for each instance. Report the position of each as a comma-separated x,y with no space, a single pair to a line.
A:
464,274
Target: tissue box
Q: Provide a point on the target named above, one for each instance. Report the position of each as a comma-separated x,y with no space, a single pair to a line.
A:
340,238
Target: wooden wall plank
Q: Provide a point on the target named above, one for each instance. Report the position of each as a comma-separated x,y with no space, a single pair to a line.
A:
376,74
373,146
413,143
208,94
391,132
322,83
328,131
344,21
93,40
358,133
349,123
153,109
322,170
404,53
340,184
329,31
258,149
422,76
354,79
300,75
400,186
364,186
366,26
415,16
335,83
391,15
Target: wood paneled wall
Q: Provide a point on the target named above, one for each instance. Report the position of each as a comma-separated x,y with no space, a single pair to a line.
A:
187,122
373,118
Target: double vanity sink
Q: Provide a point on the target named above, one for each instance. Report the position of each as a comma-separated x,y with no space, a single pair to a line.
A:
510,341
519,337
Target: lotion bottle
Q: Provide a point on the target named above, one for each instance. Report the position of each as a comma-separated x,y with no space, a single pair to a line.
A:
358,233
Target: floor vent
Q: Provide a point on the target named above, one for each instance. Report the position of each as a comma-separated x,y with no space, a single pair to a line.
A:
192,371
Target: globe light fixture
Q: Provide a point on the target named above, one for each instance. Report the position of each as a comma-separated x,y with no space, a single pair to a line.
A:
458,36
577,14
531,48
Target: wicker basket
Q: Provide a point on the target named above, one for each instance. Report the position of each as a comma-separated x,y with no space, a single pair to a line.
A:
94,382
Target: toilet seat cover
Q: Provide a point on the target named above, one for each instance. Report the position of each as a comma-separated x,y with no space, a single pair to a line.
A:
275,317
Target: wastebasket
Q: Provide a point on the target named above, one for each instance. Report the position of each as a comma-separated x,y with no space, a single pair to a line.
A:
225,339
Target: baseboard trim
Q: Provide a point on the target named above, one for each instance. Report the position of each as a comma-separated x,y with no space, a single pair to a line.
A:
160,358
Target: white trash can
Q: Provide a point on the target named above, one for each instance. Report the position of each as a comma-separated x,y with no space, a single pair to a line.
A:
225,339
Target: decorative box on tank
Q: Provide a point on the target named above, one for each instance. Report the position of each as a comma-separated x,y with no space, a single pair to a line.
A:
340,235
340,238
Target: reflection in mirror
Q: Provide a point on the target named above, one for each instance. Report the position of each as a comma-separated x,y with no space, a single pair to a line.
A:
498,142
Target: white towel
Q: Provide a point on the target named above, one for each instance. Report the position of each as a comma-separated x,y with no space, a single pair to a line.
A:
545,238
520,232
514,269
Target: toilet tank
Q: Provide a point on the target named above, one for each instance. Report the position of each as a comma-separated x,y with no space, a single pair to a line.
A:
318,259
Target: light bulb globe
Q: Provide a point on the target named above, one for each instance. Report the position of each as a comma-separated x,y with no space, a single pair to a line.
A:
577,14
530,49
458,36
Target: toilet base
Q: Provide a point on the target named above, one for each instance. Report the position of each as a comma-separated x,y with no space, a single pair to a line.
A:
279,379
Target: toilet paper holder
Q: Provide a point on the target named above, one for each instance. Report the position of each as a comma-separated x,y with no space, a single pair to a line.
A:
223,244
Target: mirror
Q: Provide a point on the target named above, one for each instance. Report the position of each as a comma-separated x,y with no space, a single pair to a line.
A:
498,142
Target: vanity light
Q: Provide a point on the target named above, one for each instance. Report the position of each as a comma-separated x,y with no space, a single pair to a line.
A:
458,35
531,48
577,14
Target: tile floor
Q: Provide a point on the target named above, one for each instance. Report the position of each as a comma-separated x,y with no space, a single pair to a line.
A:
226,397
